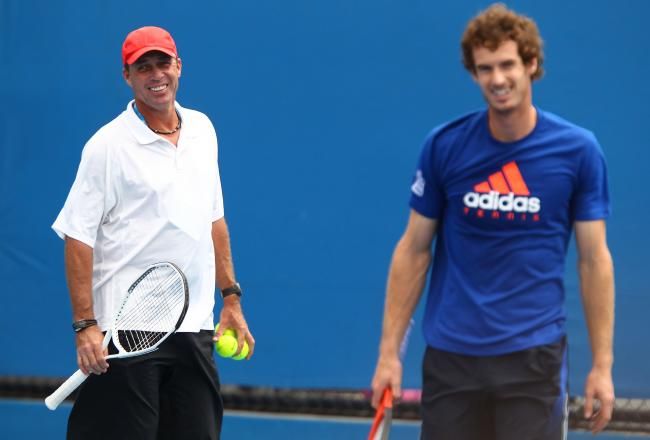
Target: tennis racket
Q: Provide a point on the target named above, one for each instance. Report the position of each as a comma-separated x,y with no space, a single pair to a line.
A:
153,309
381,424
380,429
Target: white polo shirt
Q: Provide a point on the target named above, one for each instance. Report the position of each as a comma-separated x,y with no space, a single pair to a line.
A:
137,200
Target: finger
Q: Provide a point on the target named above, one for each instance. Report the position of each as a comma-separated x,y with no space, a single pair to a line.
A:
219,333
87,363
95,359
608,410
374,401
396,388
598,422
378,387
251,344
240,343
100,364
100,358
91,364
81,364
603,416
589,405
221,327
105,355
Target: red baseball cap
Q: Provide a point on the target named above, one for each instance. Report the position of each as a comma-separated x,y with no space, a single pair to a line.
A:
146,39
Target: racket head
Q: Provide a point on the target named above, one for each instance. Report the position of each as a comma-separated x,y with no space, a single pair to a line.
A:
380,429
153,308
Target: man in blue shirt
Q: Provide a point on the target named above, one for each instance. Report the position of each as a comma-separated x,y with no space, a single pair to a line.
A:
502,189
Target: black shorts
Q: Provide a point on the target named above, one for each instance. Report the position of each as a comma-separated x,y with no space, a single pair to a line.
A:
171,393
516,396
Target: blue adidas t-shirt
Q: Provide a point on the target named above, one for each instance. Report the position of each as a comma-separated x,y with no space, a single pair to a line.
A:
505,213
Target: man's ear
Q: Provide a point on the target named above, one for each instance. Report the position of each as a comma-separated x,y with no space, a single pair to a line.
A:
180,66
532,66
126,75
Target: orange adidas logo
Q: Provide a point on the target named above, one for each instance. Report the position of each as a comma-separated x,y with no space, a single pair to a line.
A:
504,193
509,179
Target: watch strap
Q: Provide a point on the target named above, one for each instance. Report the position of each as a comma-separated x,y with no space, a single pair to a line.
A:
235,289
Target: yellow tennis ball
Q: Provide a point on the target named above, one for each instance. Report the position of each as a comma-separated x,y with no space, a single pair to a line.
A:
226,346
243,353
228,331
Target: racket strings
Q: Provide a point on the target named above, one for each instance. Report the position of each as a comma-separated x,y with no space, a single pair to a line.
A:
151,303
152,310
137,336
152,313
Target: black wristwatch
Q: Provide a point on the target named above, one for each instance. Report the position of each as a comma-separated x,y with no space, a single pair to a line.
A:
235,289
77,326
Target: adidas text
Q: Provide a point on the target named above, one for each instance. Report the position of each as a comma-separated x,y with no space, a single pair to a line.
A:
504,203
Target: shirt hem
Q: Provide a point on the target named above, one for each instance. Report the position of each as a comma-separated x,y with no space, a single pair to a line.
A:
501,349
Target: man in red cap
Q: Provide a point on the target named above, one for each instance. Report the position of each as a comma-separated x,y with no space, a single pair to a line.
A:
148,190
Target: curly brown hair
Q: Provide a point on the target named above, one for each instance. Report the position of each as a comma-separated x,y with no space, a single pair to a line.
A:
496,25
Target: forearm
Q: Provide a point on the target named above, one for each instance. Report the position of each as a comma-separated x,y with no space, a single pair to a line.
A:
225,272
79,275
231,314
406,281
597,288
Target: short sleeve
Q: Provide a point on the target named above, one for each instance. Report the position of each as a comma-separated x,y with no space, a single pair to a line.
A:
87,201
217,207
217,204
591,200
427,195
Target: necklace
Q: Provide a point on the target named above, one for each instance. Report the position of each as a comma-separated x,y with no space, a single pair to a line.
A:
178,127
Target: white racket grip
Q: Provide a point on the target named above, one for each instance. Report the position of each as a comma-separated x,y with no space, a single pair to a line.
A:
54,400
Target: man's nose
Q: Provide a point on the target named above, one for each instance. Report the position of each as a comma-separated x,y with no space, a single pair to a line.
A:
157,73
498,78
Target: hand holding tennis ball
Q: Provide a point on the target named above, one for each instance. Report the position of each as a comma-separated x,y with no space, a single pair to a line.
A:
243,353
226,346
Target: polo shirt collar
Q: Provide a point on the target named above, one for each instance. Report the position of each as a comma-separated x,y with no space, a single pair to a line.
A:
138,127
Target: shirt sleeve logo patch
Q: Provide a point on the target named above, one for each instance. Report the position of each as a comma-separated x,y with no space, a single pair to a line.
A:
418,184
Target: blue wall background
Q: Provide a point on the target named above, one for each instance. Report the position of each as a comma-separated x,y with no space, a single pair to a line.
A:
320,107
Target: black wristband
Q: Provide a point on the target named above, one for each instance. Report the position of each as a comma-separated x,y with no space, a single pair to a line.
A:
77,326
235,289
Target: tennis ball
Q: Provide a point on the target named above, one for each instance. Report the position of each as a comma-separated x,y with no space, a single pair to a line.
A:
228,331
243,353
226,346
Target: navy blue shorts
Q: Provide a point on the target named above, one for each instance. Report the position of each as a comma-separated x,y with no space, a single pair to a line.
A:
171,393
516,396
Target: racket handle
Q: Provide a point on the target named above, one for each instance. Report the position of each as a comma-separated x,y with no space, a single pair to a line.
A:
54,400
387,398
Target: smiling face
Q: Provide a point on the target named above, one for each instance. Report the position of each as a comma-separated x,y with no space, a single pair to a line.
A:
154,80
503,77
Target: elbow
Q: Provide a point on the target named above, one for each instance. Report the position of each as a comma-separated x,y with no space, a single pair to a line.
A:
596,263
